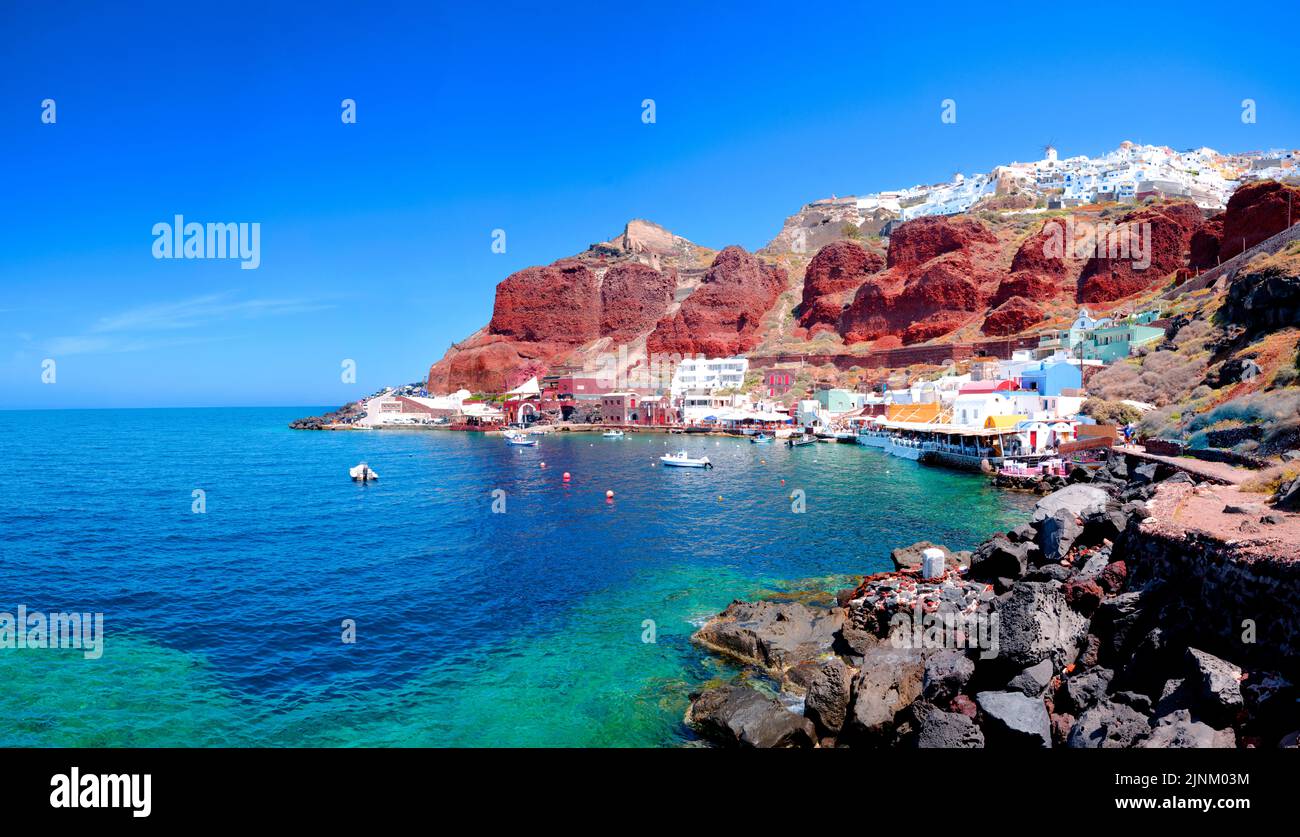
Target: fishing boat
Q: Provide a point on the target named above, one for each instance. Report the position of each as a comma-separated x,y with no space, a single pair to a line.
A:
362,473
760,439
682,459
612,434
800,441
520,440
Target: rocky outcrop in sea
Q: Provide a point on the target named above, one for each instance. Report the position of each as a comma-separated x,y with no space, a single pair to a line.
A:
1091,625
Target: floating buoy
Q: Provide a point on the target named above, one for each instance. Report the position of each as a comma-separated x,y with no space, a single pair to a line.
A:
566,476
609,495
762,462
783,482
719,498
541,464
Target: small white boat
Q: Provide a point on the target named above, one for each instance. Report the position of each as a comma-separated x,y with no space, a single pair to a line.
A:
362,473
681,459
760,439
801,441
612,434
520,440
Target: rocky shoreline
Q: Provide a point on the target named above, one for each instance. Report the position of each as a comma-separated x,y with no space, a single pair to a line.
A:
1092,625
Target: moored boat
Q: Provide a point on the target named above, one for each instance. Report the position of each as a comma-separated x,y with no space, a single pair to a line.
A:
800,441
760,439
682,459
612,434
520,440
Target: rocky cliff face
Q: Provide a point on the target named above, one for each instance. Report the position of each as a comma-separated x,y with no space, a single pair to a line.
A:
653,291
830,281
938,279
722,317
1255,212
612,294
822,223
1105,279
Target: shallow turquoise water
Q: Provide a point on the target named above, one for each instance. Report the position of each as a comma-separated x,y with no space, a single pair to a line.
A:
473,628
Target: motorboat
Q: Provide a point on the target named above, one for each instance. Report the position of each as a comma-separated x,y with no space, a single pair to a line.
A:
362,473
519,440
800,441
682,459
612,434
760,439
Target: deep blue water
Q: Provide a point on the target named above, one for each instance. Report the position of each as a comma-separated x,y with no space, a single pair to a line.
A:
473,628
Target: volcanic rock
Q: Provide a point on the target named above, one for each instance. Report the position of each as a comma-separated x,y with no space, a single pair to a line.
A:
723,315
1171,226
831,279
889,681
827,701
1109,725
1012,317
739,716
771,635
1036,623
1257,211
1013,719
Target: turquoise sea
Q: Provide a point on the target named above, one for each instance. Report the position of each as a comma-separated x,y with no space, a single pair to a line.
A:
472,627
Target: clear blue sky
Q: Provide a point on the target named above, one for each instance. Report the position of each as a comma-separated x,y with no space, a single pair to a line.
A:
376,237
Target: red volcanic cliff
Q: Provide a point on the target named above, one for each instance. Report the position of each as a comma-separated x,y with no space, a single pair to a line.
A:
1012,317
1167,227
1206,243
722,317
922,239
938,280
615,293
830,281
1255,212
633,297
556,304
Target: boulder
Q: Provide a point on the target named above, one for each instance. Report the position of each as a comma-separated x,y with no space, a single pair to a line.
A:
1219,685
1034,680
1113,577
946,673
1013,719
1080,499
1036,623
937,729
1109,725
1082,690
1083,594
1057,533
909,557
1000,557
889,681
1179,730
772,635
738,716
827,701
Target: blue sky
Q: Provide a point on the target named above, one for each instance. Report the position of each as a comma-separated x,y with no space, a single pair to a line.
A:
376,237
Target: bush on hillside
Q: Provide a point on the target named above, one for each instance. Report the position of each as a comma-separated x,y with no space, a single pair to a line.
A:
1110,412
